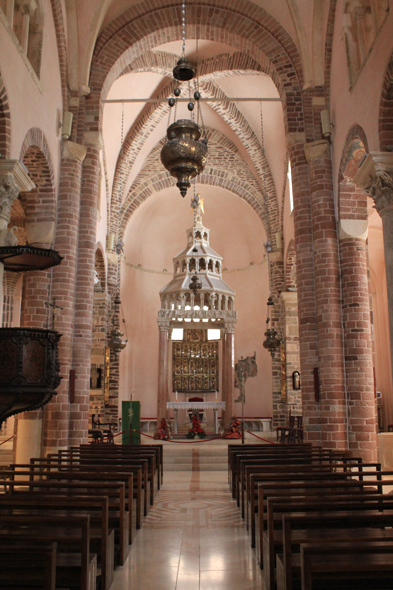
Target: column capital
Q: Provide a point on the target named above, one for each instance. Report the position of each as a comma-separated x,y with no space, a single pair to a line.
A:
27,7
317,150
288,298
74,151
93,139
163,325
375,178
13,179
294,138
229,328
353,228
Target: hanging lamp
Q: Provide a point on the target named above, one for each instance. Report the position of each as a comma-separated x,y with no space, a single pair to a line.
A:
271,343
184,155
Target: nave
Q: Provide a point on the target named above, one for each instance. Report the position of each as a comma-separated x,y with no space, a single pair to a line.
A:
193,537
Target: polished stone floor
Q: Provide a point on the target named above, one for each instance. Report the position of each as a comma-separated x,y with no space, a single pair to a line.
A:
192,539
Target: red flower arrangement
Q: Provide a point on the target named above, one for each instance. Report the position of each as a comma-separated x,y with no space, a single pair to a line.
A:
196,430
164,432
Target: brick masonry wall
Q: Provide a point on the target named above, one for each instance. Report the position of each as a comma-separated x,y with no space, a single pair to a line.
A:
5,122
386,110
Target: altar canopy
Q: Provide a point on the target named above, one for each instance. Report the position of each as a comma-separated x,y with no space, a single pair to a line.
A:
193,359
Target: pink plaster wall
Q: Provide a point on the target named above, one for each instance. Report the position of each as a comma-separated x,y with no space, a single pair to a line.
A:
156,233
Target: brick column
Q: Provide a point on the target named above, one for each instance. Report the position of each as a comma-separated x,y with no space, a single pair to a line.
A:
228,367
327,295
358,344
57,412
84,294
375,177
308,337
163,352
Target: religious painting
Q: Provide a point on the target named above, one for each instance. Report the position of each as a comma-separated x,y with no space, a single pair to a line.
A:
198,369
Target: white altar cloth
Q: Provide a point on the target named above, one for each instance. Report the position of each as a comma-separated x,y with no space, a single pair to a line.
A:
195,405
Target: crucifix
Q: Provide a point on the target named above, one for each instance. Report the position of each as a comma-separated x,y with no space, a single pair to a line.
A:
54,312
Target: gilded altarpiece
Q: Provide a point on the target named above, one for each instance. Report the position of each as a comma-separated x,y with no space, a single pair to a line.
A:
195,363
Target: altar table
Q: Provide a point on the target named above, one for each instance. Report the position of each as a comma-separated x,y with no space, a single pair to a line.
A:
196,406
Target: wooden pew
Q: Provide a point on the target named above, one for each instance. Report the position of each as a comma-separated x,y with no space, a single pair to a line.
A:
28,565
34,472
102,537
131,453
328,529
115,491
76,567
362,564
272,542
140,479
255,475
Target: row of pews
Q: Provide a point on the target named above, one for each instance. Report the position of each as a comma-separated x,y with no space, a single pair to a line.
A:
317,518
68,520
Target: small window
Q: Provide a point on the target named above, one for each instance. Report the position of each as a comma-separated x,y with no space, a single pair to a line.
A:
177,334
289,176
213,334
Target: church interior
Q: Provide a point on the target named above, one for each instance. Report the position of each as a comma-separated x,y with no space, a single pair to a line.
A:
196,242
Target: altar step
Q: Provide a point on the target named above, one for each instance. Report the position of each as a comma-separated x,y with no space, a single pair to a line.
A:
206,456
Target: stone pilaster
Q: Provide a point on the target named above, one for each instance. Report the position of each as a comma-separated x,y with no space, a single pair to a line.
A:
163,361
308,337
375,177
289,306
228,367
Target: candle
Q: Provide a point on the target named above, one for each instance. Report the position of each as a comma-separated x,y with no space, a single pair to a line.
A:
176,395
216,395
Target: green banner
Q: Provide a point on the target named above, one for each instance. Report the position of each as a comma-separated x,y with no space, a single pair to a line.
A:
131,418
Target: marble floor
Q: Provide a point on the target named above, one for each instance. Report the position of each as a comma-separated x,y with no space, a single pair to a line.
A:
192,539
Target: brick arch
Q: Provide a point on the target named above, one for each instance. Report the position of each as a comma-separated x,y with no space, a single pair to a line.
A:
225,163
235,120
147,25
5,122
386,110
290,262
99,266
352,201
58,19
39,204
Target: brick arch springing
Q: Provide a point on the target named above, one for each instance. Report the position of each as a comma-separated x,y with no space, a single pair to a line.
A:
352,201
5,122
290,284
386,110
40,203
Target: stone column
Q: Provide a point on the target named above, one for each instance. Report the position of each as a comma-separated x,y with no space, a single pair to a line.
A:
357,339
327,297
27,9
57,411
375,177
292,353
308,337
163,359
84,292
228,367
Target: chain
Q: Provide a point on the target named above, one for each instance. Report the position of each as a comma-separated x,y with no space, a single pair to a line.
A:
183,20
268,245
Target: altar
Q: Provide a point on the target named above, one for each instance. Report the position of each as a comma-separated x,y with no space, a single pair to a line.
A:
215,406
